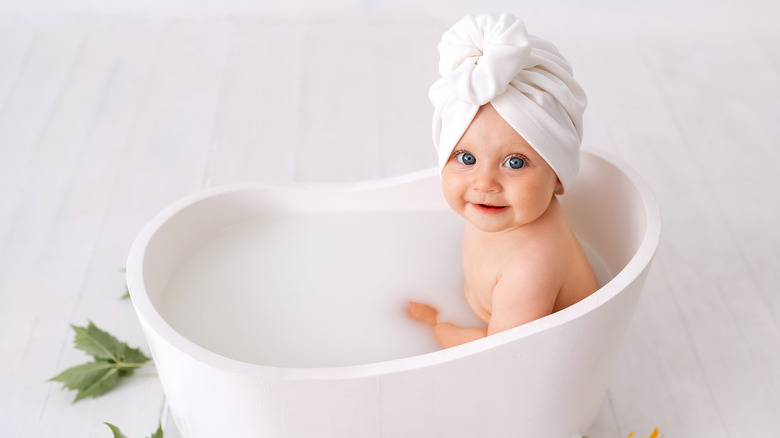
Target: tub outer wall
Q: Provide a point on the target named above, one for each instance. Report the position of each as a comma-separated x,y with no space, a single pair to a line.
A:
547,378
506,391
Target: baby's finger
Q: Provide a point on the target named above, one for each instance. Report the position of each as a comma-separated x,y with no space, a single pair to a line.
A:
422,312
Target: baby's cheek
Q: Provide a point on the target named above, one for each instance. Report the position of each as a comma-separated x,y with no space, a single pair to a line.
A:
452,194
450,200
456,206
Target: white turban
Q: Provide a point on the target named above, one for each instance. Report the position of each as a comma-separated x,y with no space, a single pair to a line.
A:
492,59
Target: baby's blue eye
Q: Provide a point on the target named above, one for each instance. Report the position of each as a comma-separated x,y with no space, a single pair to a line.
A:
466,158
514,162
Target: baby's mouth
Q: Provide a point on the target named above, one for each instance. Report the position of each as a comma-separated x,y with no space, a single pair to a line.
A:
489,208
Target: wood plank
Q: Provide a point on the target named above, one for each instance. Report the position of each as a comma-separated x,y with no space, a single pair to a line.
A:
167,153
259,109
16,40
26,107
339,98
405,69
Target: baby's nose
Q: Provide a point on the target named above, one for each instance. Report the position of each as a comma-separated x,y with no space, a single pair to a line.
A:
485,180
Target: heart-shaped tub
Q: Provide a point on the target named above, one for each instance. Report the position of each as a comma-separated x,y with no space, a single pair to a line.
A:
300,332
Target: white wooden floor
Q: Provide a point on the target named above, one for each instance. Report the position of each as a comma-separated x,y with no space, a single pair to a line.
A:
106,119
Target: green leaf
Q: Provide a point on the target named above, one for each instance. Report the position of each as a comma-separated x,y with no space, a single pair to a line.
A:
117,432
133,355
90,379
102,345
158,433
113,359
126,296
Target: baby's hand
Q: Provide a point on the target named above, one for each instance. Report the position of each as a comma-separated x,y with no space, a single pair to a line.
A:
423,313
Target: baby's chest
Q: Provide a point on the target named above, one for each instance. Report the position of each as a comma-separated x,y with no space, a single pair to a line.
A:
479,283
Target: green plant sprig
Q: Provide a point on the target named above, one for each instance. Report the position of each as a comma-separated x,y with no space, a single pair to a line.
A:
119,434
112,359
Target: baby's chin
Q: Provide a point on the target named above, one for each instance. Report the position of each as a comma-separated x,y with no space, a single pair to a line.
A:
493,225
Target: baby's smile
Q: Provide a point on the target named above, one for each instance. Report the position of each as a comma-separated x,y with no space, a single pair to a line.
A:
489,209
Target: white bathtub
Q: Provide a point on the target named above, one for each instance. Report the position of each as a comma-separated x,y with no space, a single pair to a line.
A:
547,378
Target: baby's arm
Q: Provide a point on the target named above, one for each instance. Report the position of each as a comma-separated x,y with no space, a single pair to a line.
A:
449,335
521,295
446,334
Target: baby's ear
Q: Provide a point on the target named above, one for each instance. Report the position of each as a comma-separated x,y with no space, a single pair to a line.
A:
558,188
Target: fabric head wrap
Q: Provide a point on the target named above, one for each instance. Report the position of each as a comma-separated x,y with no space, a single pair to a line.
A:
492,59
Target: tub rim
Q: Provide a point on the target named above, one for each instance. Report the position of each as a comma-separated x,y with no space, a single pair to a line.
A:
150,317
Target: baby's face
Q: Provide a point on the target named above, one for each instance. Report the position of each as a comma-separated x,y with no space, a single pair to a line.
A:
494,178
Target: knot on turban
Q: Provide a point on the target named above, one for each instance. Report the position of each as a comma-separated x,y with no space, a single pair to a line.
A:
490,58
481,54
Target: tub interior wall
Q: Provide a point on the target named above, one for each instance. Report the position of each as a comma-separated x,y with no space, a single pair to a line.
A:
194,224
605,210
187,230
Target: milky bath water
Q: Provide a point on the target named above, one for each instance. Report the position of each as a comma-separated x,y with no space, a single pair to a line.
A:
321,289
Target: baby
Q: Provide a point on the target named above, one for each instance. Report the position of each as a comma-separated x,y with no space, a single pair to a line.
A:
507,126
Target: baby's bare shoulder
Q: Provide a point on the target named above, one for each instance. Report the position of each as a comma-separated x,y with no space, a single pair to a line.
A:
527,288
533,259
539,261
540,245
